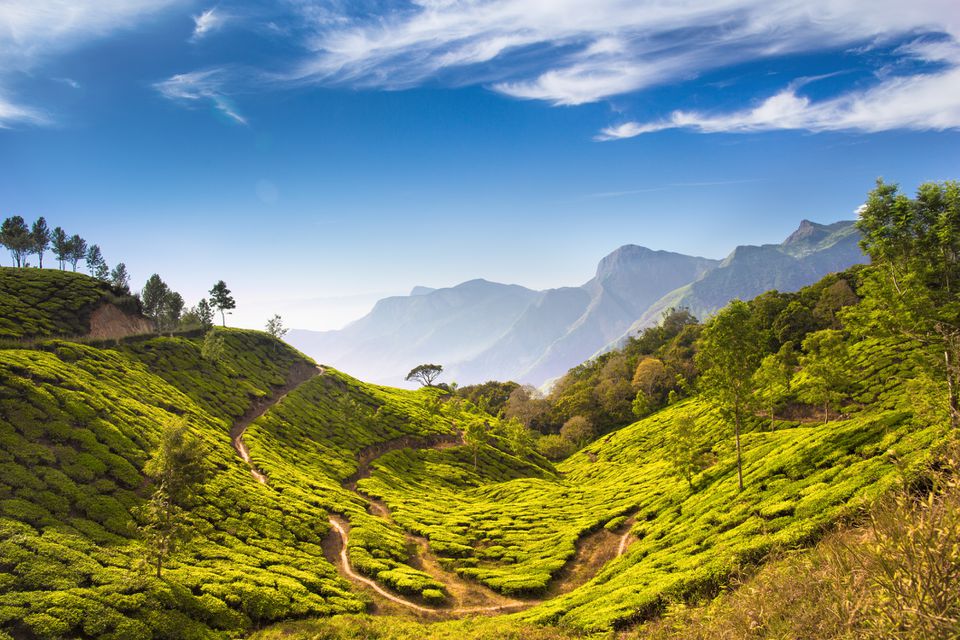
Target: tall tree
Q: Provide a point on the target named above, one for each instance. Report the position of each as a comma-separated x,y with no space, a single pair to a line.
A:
40,237
476,434
205,314
177,471
275,327
682,448
15,236
170,310
96,264
120,279
824,379
221,300
61,246
425,374
154,293
772,379
914,245
78,250
730,353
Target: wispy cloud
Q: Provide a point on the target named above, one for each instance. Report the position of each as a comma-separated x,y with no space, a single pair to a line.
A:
12,114
32,31
207,22
924,101
201,87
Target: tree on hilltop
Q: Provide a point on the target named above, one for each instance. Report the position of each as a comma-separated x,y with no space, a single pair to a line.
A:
205,314
61,246
275,327
171,310
120,279
96,265
15,236
40,239
155,291
729,355
425,374
221,300
77,250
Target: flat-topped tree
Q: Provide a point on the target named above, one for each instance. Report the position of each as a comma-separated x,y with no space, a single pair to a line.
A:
221,300
425,374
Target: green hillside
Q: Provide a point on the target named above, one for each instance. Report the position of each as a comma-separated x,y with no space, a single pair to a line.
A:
37,303
333,508
77,424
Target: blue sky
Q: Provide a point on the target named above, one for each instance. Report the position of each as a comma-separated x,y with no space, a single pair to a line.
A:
318,155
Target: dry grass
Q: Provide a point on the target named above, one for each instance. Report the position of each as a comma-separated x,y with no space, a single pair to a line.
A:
896,576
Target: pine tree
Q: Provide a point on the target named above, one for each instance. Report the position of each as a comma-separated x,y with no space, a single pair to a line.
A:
61,246
96,265
78,250
40,236
120,279
153,295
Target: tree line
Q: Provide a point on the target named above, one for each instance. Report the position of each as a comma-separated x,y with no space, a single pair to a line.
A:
23,241
168,310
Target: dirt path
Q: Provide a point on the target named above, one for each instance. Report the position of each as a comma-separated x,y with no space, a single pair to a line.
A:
299,373
593,550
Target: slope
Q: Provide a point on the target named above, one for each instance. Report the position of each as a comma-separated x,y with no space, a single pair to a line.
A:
43,303
808,254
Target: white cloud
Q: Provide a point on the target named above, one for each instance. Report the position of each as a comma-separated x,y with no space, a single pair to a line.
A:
208,21
591,52
198,87
925,101
11,114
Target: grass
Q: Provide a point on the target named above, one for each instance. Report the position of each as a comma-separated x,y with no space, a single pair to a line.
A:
43,303
515,534
78,421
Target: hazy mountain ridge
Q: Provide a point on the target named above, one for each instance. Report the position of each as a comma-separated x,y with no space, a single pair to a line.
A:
808,254
483,330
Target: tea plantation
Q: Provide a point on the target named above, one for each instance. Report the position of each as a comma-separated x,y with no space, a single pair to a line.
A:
47,303
79,421
77,424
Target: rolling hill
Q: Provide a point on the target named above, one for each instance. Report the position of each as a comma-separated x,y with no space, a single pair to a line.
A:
360,498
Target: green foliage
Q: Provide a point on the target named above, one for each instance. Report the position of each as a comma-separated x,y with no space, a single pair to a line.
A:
221,300
425,374
729,356
578,430
38,303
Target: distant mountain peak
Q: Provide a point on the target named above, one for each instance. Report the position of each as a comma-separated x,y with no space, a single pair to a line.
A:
421,291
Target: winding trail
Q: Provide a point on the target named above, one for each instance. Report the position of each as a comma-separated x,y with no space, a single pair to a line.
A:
299,373
593,550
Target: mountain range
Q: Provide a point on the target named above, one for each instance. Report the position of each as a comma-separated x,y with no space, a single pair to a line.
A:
481,330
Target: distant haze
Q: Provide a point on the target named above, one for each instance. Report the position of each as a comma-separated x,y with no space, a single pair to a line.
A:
481,330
